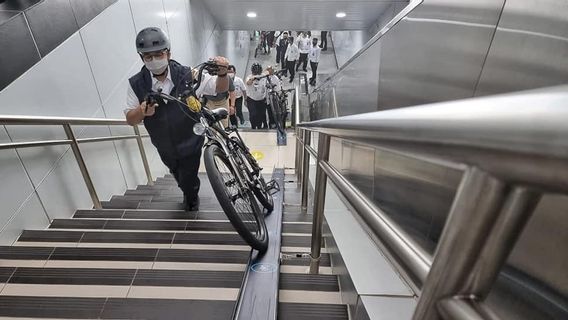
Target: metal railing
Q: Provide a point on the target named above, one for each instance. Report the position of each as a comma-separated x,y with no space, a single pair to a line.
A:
74,142
512,148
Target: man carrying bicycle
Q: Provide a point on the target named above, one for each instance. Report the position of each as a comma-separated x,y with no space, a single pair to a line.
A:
171,131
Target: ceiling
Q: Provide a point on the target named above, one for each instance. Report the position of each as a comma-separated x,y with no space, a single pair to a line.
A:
297,15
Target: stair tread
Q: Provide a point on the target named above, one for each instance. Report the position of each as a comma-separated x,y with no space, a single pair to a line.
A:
113,308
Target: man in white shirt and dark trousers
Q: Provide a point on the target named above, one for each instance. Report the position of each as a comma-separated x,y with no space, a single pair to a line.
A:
314,55
292,54
304,47
256,99
240,93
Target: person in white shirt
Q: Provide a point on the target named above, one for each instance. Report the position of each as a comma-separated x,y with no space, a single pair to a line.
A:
240,95
314,55
256,97
304,48
281,46
292,54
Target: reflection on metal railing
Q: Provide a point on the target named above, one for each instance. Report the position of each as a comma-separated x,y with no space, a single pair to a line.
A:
513,147
72,140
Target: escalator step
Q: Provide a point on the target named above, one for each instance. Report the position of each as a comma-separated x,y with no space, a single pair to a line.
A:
304,311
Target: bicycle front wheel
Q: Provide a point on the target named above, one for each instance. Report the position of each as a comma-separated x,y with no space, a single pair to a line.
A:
238,202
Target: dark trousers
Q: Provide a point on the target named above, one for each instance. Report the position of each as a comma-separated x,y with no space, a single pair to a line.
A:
290,65
323,43
185,171
238,113
314,66
257,112
303,59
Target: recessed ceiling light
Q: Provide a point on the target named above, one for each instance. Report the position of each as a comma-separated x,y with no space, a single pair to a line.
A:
341,14
251,14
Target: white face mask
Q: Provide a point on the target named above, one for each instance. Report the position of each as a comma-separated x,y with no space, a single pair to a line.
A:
157,66
232,75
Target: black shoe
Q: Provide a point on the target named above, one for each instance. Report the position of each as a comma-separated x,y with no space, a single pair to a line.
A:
291,80
191,205
242,122
305,70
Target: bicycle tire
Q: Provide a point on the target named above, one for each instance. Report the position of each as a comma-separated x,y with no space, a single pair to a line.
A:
245,215
276,111
260,187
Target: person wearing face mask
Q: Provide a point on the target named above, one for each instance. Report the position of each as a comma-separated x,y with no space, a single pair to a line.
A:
170,129
240,95
314,56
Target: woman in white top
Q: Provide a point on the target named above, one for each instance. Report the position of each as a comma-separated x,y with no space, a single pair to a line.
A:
240,95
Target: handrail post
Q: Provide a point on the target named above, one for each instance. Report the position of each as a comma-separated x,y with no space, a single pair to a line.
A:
82,166
305,169
143,155
319,202
476,206
299,155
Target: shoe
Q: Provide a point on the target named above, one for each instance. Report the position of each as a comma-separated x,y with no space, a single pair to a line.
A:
305,70
242,122
191,205
291,80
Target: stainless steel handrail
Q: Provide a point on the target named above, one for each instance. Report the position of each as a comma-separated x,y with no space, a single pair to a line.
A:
512,147
74,142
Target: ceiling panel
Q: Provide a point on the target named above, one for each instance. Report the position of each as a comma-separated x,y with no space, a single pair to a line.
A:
297,15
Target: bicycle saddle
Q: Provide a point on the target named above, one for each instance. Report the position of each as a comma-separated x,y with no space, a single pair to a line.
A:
220,113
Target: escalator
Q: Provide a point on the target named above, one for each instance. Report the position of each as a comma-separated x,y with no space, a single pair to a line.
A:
142,256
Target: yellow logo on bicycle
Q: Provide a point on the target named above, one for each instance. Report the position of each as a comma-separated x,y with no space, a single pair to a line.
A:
257,155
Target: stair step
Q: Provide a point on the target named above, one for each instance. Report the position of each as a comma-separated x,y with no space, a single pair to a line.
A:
126,277
113,308
325,260
159,225
306,311
309,282
123,254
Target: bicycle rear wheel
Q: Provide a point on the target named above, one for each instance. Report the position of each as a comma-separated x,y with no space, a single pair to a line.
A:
239,203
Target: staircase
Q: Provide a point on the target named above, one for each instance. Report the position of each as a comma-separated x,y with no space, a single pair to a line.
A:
143,257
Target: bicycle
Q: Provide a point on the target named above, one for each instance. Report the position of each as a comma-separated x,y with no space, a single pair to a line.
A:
278,101
234,173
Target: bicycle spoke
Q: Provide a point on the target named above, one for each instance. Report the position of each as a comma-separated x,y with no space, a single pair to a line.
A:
242,206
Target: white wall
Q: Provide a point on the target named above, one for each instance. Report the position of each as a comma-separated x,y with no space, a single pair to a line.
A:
86,76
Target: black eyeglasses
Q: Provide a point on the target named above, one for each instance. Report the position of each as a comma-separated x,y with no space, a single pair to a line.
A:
154,55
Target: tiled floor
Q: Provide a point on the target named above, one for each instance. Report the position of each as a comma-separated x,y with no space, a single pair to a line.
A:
136,259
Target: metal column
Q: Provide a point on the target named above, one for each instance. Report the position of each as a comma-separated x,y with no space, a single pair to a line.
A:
82,166
319,202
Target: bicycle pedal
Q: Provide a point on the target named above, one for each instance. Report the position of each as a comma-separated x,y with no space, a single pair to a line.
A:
272,187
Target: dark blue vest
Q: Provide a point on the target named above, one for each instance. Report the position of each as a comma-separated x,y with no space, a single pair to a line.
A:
171,131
